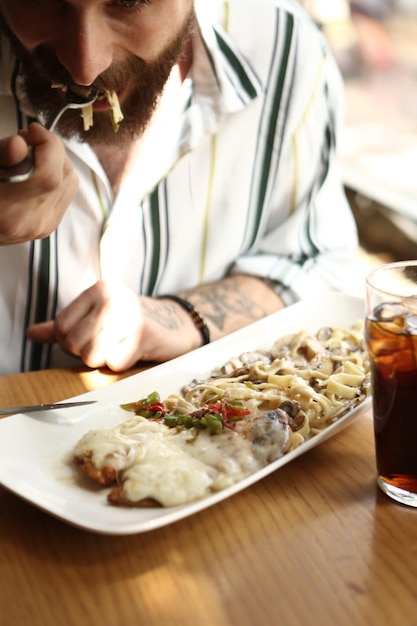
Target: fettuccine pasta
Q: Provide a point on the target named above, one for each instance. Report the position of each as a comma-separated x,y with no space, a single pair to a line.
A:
318,379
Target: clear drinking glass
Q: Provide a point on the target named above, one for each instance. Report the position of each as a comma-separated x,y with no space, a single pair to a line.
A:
391,337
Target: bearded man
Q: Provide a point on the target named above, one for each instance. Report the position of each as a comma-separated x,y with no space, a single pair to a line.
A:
215,203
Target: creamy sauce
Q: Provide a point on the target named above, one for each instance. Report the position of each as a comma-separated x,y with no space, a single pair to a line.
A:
175,466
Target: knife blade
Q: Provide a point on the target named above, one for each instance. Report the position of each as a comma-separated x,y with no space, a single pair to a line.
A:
33,408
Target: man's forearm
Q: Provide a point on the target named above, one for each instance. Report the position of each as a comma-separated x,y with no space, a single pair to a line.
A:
233,302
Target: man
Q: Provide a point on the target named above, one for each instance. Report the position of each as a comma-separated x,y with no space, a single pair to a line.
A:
219,185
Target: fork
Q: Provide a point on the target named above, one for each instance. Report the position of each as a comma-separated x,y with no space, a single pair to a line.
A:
21,171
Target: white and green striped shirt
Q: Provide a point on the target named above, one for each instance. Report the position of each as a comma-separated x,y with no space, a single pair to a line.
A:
238,175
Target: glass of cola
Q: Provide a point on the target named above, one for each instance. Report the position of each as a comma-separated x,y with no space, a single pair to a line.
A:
391,338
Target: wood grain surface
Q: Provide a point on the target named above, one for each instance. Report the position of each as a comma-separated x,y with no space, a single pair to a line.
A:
313,544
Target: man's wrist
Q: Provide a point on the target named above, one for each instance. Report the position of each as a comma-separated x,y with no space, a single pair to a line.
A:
195,315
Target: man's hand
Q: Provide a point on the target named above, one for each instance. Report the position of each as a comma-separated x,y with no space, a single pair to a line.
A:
12,150
109,325
33,208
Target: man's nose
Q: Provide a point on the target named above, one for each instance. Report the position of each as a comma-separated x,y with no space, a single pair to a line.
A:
84,48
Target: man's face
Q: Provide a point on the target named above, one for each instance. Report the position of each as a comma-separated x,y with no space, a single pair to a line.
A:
126,46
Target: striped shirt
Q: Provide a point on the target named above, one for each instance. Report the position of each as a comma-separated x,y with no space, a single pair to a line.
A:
237,175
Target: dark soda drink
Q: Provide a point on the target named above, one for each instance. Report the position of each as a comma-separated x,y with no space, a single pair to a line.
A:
391,336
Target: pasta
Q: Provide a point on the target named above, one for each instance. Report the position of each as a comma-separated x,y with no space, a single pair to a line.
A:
115,111
318,378
116,114
87,115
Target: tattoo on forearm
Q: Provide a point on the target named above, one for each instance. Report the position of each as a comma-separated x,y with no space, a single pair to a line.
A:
164,313
222,300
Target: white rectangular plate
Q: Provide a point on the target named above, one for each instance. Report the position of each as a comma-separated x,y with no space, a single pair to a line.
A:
35,450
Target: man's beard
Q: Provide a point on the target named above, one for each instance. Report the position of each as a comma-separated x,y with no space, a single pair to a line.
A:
40,70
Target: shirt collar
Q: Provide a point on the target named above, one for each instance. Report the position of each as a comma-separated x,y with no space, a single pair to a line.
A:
222,76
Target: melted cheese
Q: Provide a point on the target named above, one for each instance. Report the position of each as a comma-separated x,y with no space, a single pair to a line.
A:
169,465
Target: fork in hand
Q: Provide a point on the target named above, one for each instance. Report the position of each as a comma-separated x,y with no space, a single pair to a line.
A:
24,169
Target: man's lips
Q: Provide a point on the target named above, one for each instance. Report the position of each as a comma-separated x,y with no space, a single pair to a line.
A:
101,104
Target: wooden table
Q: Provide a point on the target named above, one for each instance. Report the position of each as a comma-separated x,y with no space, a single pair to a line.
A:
315,543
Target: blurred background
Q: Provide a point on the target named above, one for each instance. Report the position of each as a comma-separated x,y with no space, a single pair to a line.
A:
375,45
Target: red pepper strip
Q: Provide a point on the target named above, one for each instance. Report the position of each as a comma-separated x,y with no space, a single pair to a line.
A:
158,407
228,410
156,410
232,412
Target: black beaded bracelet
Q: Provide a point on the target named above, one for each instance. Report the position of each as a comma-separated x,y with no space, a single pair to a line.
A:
194,314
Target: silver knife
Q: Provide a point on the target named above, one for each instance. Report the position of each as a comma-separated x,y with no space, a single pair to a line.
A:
11,410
